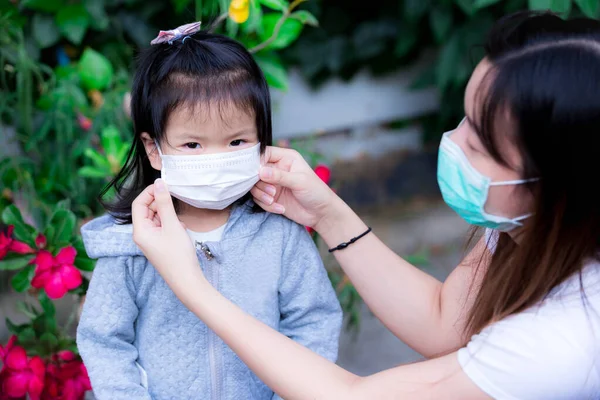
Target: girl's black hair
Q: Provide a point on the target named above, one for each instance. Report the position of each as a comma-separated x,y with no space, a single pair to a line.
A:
203,69
544,81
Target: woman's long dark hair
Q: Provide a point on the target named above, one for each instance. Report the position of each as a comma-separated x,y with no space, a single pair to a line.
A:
545,74
203,70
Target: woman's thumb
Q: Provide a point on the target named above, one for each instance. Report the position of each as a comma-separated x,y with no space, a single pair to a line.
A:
164,204
279,177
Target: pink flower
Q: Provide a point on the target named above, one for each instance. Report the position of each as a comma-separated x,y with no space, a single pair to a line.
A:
8,244
57,275
40,241
20,376
5,350
67,378
324,173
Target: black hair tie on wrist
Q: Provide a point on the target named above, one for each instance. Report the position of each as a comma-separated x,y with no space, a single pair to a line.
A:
342,246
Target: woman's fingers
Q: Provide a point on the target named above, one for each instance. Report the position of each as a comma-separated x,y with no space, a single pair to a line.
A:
274,208
292,180
261,196
267,188
278,154
164,205
140,211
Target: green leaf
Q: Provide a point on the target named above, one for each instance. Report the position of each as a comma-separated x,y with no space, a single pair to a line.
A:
12,216
26,309
92,172
180,5
63,205
289,31
122,154
253,22
15,263
78,244
85,264
561,7
47,304
111,139
21,281
273,70
484,3
64,222
467,6
49,232
98,159
278,5
26,335
406,41
50,6
540,4
12,327
448,59
415,9
73,21
441,20
44,30
95,71
305,17
49,341
591,8
98,18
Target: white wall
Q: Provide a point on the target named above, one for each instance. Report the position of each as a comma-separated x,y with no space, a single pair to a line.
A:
364,101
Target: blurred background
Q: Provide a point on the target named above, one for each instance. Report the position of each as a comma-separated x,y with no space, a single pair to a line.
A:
363,90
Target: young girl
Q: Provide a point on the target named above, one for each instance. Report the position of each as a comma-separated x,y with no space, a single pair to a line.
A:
202,118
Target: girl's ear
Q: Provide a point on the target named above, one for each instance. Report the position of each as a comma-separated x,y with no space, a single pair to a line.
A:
151,151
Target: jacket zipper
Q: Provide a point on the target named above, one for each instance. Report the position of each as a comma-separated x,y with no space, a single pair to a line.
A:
214,354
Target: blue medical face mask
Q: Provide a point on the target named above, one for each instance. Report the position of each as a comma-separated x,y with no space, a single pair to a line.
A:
466,190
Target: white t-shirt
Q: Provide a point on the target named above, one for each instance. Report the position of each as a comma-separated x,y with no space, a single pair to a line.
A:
212,236
550,351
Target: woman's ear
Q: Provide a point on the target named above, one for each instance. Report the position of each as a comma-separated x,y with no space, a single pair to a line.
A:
151,151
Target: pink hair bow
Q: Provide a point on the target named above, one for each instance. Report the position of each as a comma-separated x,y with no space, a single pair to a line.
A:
177,33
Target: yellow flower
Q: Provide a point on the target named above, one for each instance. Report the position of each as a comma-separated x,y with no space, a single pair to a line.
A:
239,10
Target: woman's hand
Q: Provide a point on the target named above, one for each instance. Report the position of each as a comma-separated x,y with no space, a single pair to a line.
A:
290,187
162,237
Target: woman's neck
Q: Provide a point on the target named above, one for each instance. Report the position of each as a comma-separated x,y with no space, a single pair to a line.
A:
203,220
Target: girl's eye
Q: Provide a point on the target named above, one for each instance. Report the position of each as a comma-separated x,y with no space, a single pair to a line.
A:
238,142
192,145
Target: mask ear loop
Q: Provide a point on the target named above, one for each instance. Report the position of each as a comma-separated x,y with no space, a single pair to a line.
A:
158,148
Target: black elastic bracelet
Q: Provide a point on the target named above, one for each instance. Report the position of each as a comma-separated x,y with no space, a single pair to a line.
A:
342,246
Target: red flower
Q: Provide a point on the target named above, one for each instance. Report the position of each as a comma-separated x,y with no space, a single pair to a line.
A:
7,243
67,378
84,122
310,230
20,376
57,275
324,173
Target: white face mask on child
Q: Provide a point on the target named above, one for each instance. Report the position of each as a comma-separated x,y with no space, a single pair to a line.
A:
212,181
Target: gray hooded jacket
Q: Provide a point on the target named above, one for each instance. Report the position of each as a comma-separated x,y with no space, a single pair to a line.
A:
138,341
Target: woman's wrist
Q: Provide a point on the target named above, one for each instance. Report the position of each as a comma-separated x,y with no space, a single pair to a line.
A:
339,224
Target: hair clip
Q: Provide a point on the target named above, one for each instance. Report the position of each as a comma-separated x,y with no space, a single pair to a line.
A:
184,31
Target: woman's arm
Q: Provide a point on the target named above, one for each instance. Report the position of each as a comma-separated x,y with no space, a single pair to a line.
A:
291,370
295,372
423,312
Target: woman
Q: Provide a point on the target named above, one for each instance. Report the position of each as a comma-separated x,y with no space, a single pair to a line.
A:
518,318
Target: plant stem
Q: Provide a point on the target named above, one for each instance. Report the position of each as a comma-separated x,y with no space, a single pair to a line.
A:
217,22
277,28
